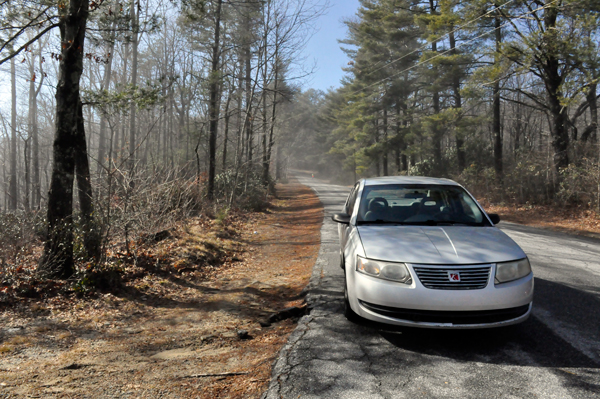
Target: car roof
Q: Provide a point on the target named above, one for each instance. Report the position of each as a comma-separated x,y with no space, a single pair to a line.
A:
374,181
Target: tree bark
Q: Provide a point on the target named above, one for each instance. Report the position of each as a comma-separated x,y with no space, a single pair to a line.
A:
248,123
134,67
213,103
226,132
553,81
437,133
267,164
35,143
57,259
102,140
591,130
91,235
265,127
558,126
13,188
460,151
385,142
496,128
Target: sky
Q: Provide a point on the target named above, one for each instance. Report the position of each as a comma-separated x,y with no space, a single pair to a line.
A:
324,49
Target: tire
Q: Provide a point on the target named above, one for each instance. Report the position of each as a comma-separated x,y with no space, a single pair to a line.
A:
348,312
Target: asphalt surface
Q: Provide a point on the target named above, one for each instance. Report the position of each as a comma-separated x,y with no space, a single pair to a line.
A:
554,354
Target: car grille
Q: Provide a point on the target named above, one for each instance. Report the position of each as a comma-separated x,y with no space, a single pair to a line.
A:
437,278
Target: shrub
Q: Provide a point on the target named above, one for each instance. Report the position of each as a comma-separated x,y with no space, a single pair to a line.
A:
243,190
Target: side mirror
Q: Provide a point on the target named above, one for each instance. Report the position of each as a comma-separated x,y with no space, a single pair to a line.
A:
494,217
343,218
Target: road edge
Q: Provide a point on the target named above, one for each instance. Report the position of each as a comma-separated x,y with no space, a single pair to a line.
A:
281,366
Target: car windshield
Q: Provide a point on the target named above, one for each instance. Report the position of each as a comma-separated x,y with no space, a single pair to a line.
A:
418,204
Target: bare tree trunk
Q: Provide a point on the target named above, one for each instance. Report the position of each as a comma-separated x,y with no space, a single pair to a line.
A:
35,144
437,133
120,141
384,158
105,86
265,73
57,259
460,151
226,133
376,139
553,81
14,188
26,166
91,236
496,128
248,61
5,185
592,128
518,128
28,141
267,164
213,103
240,133
403,145
134,67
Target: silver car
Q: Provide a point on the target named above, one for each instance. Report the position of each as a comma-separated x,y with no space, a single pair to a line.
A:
421,252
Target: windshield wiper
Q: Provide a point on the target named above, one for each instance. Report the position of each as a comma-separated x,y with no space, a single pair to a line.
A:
443,222
378,221
429,222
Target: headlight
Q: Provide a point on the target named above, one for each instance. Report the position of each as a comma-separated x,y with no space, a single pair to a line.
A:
510,271
384,270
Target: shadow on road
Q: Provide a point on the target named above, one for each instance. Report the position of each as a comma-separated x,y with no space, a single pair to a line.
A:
531,343
527,344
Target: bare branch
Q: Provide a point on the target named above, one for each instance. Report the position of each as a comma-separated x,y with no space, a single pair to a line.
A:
28,43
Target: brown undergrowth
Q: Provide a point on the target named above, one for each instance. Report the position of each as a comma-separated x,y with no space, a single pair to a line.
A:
180,320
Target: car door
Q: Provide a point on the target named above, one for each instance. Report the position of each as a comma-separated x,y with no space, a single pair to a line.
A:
344,229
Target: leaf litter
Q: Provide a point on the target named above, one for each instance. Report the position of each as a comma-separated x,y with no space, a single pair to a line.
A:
182,320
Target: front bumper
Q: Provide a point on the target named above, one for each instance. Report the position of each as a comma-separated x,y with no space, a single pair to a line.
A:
448,319
417,306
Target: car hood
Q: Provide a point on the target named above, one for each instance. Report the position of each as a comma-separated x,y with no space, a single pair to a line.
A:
438,245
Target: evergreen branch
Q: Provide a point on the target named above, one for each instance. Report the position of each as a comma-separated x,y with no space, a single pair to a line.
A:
444,52
437,39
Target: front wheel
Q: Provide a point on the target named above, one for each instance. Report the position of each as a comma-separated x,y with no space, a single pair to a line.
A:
348,312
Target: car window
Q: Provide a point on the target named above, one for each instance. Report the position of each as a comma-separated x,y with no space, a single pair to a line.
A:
348,200
351,200
419,204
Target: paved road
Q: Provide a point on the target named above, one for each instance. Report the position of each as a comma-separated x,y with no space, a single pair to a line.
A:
555,354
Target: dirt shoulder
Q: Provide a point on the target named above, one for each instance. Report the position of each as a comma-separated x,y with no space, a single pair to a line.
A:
573,220
193,332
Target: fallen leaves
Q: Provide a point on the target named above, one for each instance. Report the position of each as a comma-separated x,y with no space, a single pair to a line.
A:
195,291
578,220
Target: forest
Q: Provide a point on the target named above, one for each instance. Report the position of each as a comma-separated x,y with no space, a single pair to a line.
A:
125,116
500,96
